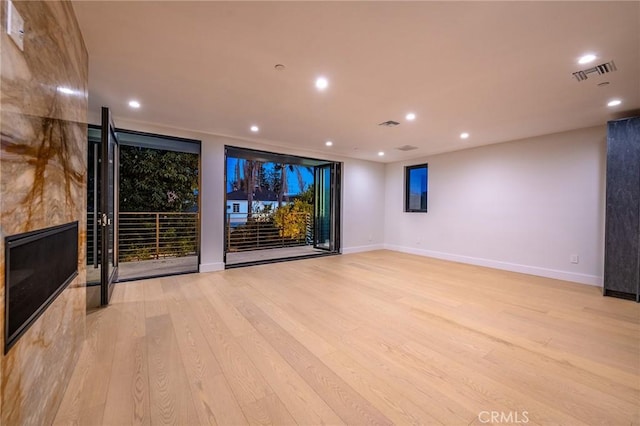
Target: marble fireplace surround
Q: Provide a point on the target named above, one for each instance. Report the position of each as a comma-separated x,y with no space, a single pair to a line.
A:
43,153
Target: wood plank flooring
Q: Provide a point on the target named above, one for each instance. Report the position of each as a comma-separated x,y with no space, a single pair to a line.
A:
371,338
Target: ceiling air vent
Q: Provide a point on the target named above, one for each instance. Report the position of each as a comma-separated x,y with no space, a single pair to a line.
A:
406,148
389,123
598,69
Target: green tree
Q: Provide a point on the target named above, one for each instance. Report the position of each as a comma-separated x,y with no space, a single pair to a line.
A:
292,219
251,171
307,195
281,179
158,181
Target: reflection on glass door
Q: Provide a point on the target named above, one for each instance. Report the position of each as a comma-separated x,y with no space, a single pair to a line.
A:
94,249
108,219
323,207
326,210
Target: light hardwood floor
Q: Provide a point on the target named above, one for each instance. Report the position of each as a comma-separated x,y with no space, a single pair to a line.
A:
370,338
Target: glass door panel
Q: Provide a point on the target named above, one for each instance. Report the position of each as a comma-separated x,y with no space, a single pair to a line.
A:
326,209
93,208
322,217
109,203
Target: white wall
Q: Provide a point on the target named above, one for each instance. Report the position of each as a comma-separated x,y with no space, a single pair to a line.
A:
524,206
362,193
213,211
363,208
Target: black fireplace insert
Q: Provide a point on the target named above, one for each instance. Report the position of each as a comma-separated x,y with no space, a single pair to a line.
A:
39,265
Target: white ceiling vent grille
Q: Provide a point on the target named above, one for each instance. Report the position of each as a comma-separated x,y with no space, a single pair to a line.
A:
389,123
406,148
605,68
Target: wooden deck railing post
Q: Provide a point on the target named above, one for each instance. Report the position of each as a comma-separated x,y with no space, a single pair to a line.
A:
157,235
228,231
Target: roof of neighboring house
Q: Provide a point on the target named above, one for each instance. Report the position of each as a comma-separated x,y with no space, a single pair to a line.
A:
258,195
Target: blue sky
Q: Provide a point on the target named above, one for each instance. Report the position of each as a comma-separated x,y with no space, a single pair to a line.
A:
292,179
418,181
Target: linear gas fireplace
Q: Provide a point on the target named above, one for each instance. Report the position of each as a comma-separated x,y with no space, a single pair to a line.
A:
39,265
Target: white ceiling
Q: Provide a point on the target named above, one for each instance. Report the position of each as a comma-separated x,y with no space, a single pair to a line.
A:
500,71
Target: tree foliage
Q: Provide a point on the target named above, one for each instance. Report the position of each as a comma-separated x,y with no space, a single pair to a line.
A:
268,176
157,181
307,195
293,219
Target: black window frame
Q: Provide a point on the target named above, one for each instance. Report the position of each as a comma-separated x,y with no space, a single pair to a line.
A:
407,185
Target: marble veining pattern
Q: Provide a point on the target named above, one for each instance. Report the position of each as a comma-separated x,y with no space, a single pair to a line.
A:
43,148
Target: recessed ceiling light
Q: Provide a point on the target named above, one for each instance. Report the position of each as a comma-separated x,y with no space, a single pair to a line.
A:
134,104
322,83
380,153
328,143
255,129
411,116
65,90
614,102
279,67
464,135
585,59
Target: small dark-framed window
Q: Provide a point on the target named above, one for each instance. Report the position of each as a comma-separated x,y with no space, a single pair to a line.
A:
236,207
415,188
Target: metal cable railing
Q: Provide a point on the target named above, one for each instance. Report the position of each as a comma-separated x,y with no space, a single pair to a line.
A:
262,231
156,235
151,235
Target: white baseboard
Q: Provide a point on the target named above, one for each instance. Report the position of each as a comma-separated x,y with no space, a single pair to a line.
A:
360,249
212,267
506,266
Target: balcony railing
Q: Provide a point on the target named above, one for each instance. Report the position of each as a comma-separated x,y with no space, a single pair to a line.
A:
261,231
156,235
150,235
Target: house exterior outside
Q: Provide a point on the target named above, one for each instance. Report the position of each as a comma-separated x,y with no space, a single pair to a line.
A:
238,205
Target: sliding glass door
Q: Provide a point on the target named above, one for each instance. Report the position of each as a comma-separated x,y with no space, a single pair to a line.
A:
327,208
279,207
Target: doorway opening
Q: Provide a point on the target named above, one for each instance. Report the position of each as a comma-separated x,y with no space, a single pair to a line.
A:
279,207
147,207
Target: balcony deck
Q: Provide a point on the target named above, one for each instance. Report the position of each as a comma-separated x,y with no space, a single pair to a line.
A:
251,256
